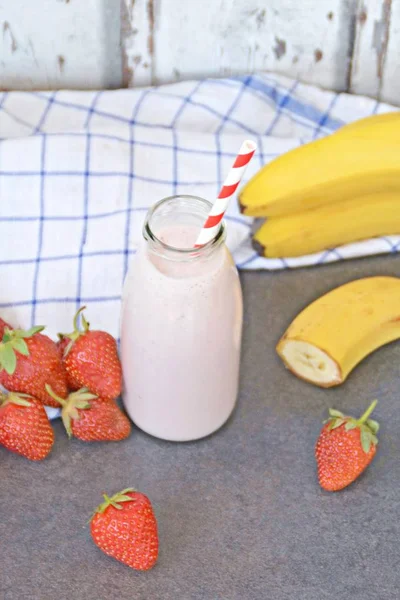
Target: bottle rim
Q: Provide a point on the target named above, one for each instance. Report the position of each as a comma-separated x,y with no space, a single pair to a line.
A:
161,248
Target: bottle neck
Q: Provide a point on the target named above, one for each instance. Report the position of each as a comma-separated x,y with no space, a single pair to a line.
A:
172,226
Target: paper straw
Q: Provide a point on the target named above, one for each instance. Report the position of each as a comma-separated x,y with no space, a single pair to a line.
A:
231,183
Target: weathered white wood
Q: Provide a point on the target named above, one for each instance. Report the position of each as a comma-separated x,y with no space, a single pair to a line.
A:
84,43
50,44
137,41
306,39
371,47
390,90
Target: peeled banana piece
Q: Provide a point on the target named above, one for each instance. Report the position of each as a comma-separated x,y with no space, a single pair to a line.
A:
333,334
329,226
327,171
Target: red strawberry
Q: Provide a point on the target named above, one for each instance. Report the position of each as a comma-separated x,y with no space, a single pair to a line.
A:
91,360
93,419
29,361
345,448
3,325
125,527
63,344
24,426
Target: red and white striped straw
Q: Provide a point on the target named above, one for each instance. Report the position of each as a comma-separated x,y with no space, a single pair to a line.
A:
231,183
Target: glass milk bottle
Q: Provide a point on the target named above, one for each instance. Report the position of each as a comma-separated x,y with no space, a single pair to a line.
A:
181,325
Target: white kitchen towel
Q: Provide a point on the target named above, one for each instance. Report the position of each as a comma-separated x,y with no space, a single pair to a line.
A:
78,171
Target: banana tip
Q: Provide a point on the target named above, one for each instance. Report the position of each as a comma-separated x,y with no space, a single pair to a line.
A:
259,248
242,207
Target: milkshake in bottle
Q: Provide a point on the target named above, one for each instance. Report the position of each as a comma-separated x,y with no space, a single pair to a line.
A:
181,325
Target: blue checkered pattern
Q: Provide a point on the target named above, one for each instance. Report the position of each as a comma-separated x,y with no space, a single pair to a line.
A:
78,171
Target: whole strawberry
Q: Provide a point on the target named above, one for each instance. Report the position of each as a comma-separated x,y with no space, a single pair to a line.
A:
91,360
125,527
345,448
24,426
92,419
28,361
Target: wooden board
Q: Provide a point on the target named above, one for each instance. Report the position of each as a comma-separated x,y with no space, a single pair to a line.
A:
349,45
224,37
390,89
52,44
371,47
137,21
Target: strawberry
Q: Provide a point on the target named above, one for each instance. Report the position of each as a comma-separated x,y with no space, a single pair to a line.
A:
125,527
73,384
24,426
91,360
344,448
92,419
29,361
3,325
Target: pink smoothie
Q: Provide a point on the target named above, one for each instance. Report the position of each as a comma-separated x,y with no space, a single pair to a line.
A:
180,339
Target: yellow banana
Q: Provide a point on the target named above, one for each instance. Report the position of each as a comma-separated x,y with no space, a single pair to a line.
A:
329,226
333,334
327,171
385,124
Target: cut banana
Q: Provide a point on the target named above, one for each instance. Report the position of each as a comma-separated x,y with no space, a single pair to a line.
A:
311,363
333,334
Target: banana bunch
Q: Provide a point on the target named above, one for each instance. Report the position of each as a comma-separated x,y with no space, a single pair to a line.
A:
339,189
333,334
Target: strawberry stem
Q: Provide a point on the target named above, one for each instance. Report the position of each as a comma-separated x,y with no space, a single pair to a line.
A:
76,317
367,413
76,333
76,401
49,390
114,501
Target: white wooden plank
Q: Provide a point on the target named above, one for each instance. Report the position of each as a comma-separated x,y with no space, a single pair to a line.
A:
307,39
137,42
51,44
371,47
390,89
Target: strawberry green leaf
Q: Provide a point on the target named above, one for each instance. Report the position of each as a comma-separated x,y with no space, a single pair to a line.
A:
21,333
373,425
73,412
81,404
126,490
8,360
52,394
366,440
114,500
336,423
18,399
20,345
85,396
6,335
86,324
68,348
350,425
66,419
335,413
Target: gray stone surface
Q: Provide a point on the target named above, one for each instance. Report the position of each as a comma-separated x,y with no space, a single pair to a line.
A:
241,516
